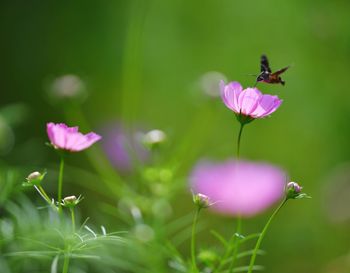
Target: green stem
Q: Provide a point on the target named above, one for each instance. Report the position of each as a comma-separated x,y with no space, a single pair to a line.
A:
193,241
60,182
73,219
239,139
46,197
65,263
43,194
262,234
235,251
230,247
239,219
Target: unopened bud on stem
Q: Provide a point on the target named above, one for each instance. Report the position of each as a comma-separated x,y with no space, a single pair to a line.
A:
34,175
71,201
202,201
35,178
294,191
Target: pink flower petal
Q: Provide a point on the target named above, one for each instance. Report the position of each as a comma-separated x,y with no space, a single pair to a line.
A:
123,147
239,187
87,141
277,104
49,130
265,105
57,133
248,100
69,138
230,94
73,140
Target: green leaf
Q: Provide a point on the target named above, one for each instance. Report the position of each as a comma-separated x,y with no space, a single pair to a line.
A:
38,254
249,237
220,238
249,253
303,195
54,264
245,268
85,256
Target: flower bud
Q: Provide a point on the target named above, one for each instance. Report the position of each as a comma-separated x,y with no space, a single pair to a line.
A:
202,201
294,187
71,201
153,138
34,179
293,191
33,176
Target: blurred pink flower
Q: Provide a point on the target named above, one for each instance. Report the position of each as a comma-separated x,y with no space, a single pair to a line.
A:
68,138
123,146
239,187
248,102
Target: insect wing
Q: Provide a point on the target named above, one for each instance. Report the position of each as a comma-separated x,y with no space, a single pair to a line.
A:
279,72
264,64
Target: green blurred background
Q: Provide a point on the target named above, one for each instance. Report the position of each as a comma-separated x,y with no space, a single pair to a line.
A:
142,62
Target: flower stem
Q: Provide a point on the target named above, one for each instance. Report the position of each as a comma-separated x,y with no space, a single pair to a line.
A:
44,195
239,139
239,219
65,263
193,241
60,181
73,219
262,234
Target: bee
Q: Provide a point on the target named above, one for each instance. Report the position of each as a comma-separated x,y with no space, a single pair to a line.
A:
266,75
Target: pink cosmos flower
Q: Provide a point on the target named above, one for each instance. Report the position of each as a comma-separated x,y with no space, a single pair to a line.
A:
68,138
248,102
239,187
122,146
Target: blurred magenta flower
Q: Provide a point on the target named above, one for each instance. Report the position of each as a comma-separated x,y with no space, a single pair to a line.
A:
239,187
248,102
123,146
68,138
